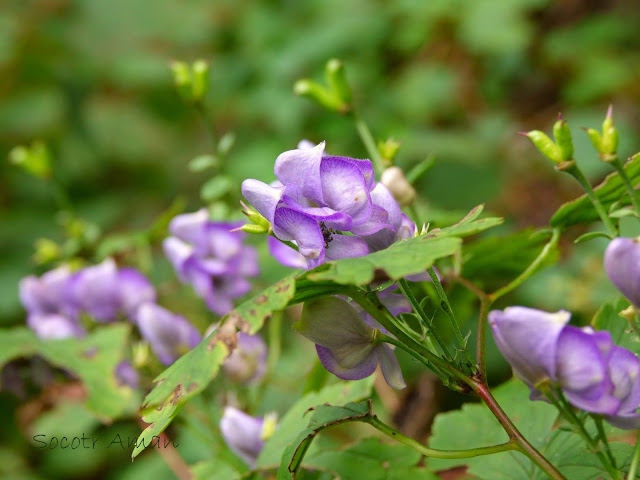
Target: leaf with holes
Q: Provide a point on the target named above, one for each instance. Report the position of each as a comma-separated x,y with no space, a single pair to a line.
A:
93,358
192,372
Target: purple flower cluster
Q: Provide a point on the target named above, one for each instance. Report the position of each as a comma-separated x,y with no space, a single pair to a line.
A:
56,302
329,207
212,258
593,373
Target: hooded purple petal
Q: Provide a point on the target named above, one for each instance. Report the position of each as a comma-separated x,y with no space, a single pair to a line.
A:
134,290
528,339
47,294
262,197
95,290
360,371
291,225
169,335
344,189
301,167
286,255
622,264
54,326
345,246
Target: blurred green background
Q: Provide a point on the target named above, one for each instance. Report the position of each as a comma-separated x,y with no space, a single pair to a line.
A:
452,78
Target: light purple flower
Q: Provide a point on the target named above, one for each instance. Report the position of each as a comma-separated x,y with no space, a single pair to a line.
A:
105,292
622,264
594,374
346,345
127,375
243,434
248,361
169,335
49,313
329,207
212,258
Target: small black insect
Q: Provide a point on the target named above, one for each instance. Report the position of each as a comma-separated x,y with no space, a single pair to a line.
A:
326,234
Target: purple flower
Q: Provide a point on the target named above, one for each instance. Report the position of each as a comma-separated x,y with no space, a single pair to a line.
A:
104,291
127,375
49,313
593,373
622,264
329,207
169,335
244,434
248,361
346,345
212,258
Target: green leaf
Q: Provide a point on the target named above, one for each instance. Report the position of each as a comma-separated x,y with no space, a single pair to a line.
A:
493,259
93,358
294,421
590,236
216,188
607,318
404,258
371,459
214,470
192,372
474,426
611,190
202,162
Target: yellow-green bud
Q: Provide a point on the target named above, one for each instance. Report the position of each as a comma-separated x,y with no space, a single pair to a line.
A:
269,426
545,145
610,137
200,75
337,81
320,95
388,150
253,228
182,79
34,159
46,251
562,135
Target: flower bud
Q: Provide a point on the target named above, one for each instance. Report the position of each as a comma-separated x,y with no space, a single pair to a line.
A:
320,95
562,135
182,79
545,145
622,264
200,80
34,159
245,434
388,150
606,144
394,179
336,79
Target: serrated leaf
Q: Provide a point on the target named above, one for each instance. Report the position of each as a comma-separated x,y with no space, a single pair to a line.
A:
294,421
611,190
474,426
403,258
93,358
590,236
372,459
192,372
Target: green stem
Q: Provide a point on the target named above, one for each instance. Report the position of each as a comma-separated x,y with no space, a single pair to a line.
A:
567,412
446,307
406,291
524,446
531,269
369,142
603,438
481,340
275,341
573,170
617,164
211,131
385,319
633,468
435,453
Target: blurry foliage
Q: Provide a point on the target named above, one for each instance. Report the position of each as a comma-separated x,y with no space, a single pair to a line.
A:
91,81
